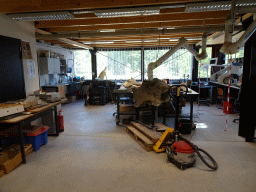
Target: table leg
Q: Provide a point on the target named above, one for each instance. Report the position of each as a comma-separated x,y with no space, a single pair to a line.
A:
56,121
117,104
23,154
191,110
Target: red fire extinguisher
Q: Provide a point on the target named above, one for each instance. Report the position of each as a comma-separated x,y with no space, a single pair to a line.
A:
60,122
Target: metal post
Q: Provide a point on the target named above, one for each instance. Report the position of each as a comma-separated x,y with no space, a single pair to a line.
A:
194,67
176,127
23,154
94,63
142,64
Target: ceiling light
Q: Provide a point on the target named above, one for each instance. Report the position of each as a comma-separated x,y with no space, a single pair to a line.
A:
82,12
108,30
217,6
171,6
173,39
99,42
42,16
127,12
141,41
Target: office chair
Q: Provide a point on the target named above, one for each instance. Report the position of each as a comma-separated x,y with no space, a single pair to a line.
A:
220,94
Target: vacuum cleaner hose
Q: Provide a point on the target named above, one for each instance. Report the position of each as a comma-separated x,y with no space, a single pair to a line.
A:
215,165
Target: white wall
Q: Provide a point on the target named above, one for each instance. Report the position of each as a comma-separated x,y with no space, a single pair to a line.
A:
68,55
26,32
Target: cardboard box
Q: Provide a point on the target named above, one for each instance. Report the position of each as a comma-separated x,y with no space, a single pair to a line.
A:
126,108
71,99
10,158
1,173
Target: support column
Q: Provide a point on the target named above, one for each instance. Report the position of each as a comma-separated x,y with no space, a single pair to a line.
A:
194,67
142,64
94,63
247,121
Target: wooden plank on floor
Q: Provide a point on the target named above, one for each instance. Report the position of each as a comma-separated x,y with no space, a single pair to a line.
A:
161,126
140,138
151,134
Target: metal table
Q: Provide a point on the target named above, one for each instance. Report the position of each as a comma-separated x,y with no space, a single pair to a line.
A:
22,120
124,93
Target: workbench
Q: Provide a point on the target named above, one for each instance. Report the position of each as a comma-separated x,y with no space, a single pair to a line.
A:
234,90
118,94
22,120
126,92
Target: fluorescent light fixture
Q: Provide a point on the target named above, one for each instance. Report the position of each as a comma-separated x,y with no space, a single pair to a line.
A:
171,6
99,42
127,12
217,6
189,39
42,16
82,12
141,41
108,30
173,39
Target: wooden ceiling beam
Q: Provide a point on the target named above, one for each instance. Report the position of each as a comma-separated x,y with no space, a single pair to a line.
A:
139,38
67,41
134,19
138,25
18,6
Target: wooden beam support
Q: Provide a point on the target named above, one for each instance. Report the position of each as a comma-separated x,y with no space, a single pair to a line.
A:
139,25
67,41
135,19
17,6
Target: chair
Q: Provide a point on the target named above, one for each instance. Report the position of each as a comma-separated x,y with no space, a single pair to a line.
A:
220,94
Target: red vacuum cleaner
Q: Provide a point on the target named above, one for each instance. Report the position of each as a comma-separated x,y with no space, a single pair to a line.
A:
181,151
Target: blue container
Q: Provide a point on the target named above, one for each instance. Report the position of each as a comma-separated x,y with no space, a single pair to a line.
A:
36,141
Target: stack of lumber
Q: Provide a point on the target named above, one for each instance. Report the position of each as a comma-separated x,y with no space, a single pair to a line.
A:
143,135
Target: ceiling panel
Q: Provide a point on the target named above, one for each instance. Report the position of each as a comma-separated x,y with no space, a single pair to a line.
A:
171,15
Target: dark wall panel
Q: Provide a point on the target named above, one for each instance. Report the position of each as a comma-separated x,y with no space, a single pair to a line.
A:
12,86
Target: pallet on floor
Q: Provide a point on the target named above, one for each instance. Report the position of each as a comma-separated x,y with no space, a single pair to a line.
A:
140,138
149,133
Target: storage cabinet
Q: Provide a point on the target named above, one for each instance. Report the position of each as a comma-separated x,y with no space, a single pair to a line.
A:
49,65
63,67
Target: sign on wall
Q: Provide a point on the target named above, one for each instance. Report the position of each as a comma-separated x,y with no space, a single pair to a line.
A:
31,69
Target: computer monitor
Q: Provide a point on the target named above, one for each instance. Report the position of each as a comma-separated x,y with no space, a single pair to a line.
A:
213,61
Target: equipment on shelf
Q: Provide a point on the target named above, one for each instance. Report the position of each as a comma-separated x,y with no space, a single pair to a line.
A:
222,76
180,151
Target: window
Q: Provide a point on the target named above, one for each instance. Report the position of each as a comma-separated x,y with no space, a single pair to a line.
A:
203,66
240,54
82,64
176,67
121,64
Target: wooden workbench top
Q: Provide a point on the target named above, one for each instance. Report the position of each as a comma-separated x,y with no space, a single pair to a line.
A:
33,112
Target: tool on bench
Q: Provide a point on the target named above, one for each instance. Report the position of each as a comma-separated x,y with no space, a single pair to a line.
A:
180,151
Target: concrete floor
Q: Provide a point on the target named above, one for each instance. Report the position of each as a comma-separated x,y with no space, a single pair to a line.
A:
93,154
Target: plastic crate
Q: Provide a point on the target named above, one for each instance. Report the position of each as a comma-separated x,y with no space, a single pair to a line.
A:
185,126
98,91
103,83
35,135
